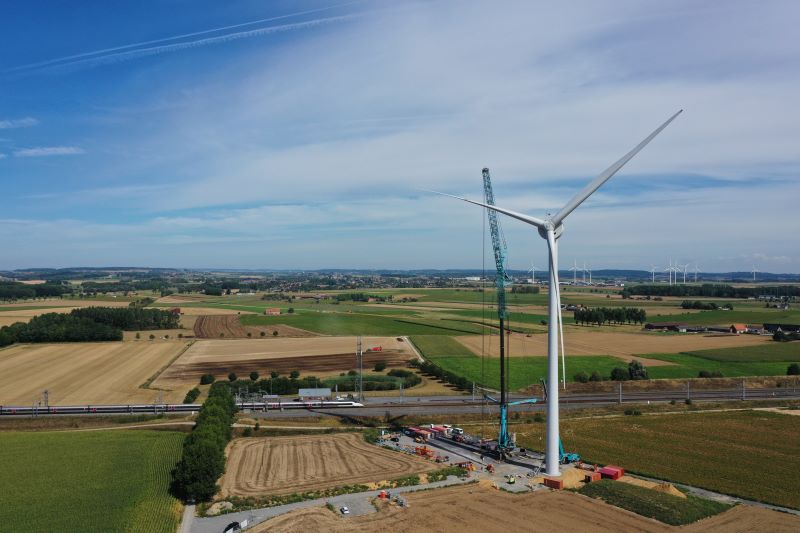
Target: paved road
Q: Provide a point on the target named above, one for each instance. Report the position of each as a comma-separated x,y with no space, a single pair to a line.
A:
187,520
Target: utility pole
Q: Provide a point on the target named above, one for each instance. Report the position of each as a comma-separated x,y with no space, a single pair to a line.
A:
360,361
620,392
47,399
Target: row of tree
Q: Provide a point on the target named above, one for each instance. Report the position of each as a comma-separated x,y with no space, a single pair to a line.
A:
705,306
432,369
89,324
10,290
59,327
130,318
612,315
634,371
709,290
203,461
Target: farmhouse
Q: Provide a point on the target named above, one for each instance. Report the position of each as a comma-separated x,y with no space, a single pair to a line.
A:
272,311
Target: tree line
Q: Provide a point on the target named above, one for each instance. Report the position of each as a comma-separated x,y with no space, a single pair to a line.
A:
612,315
130,318
203,460
10,290
89,324
708,290
705,306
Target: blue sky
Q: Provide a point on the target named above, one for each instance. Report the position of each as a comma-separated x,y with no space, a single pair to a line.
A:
253,134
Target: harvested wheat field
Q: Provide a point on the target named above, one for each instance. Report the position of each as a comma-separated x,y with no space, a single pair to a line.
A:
628,346
24,312
476,509
320,355
229,327
84,373
282,465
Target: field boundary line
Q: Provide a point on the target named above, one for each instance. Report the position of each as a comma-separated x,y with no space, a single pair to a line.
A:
414,347
151,379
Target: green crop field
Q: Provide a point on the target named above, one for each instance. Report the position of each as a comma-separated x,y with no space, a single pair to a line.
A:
751,454
774,351
88,481
451,355
689,366
362,324
665,508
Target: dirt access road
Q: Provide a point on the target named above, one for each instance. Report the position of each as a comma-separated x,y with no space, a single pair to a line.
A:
474,508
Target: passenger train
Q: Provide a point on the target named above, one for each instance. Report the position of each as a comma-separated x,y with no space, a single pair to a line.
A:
169,408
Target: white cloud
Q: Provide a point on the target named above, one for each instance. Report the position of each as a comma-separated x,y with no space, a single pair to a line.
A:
328,135
18,123
46,151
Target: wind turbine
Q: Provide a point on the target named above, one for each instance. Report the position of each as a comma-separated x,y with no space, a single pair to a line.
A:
584,272
653,272
670,270
695,272
550,229
754,273
533,274
574,270
684,272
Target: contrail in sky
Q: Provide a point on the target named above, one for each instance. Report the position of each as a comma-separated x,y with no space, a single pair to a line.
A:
143,49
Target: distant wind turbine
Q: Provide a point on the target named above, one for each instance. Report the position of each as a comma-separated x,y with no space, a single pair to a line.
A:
653,272
533,274
695,272
754,272
574,270
551,228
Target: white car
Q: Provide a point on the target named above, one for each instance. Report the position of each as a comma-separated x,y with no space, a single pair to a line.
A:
344,510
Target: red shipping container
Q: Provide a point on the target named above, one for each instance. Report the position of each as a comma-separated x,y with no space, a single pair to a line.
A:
621,470
554,483
611,472
592,476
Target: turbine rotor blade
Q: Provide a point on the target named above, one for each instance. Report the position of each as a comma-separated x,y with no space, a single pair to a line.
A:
595,184
533,221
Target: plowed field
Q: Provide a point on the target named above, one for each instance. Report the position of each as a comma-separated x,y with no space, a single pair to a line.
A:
228,327
282,465
313,355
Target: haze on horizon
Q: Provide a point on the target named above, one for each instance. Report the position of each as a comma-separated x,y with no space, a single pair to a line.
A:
296,135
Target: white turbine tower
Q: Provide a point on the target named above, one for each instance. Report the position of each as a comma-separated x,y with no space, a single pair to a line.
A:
533,274
653,272
550,229
584,272
754,273
684,272
574,270
695,272
669,271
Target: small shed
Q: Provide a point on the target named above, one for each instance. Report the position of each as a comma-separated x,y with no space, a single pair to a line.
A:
272,311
